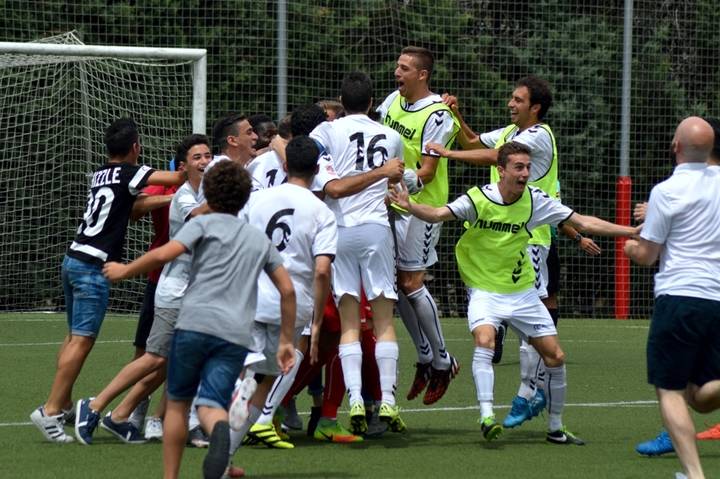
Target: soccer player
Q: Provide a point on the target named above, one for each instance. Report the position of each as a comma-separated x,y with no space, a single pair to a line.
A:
265,129
100,237
493,262
193,154
420,117
214,328
365,253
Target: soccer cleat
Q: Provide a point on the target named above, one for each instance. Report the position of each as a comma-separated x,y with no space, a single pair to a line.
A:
266,434
439,382
563,436
197,438
391,415
519,412
218,457
538,403
125,431
137,417
422,376
499,342
86,421
491,430
153,428
358,420
292,419
712,434
50,426
376,427
239,408
662,444
333,431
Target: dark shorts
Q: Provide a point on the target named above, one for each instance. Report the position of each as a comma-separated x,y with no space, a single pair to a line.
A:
208,361
684,342
553,266
147,314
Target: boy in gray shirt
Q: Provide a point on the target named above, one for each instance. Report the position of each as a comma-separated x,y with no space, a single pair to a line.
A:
213,332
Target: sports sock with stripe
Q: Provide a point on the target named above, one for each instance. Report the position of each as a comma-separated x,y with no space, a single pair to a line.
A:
556,388
279,389
410,320
429,320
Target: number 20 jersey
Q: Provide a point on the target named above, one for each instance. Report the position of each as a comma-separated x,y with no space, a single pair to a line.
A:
113,190
357,145
301,227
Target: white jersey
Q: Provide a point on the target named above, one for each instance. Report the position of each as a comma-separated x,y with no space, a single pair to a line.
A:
357,145
301,227
267,170
538,142
175,275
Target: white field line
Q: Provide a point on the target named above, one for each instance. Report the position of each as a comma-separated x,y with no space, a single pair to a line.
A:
623,404
57,343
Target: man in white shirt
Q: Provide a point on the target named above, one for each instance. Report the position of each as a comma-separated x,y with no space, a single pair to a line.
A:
682,230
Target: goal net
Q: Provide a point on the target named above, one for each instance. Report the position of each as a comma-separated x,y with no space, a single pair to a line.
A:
58,96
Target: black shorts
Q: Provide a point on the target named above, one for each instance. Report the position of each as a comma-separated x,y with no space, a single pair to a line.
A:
684,342
553,266
147,313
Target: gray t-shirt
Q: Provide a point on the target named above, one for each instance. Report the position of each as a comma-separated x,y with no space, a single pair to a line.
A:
227,258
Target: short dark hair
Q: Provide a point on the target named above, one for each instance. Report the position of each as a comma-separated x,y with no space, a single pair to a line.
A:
305,118
302,156
715,124
182,148
511,148
356,92
225,127
227,187
120,136
539,93
424,58
284,127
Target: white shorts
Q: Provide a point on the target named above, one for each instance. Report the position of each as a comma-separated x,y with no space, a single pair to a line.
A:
365,258
415,240
539,255
266,338
523,311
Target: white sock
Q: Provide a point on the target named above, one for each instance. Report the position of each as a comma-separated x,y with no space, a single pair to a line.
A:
410,320
556,387
351,360
236,437
279,389
529,365
484,377
386,355
429,320
193,419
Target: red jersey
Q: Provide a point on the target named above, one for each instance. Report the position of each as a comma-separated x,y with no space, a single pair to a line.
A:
161,223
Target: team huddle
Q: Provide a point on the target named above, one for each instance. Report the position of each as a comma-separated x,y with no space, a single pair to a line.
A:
289,250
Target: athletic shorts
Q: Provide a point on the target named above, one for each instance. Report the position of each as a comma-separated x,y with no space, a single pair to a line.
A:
523,311
147,314
538,255
266,338
684,342
365,260
415,241
162,331
553,267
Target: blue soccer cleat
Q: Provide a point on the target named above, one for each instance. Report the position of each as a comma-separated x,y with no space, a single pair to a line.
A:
519,413
662,444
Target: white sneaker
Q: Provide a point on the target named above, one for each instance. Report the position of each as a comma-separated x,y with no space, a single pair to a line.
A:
239,408
153,428
50,426
137,417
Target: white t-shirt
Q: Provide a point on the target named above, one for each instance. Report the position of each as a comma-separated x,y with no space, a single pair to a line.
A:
357,145
175,275
301,227
439,130
545,210
267,170
683,214
536,139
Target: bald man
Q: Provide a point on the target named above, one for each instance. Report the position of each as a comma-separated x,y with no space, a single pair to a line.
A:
682,230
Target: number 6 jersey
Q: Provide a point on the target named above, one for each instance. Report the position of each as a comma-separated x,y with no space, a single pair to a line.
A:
113,190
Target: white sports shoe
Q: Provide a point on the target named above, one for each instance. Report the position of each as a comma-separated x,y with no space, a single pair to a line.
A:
153,428
50,426
239,408
137,417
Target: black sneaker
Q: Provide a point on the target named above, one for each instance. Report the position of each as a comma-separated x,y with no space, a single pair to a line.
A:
563,436
315,413
218,456
499,342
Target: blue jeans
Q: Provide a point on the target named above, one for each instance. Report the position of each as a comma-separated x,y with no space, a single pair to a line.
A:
205,360
86,296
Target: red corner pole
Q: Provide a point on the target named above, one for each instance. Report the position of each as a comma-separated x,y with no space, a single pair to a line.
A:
622,263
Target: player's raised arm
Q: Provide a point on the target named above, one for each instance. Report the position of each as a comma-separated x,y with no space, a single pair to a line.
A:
146,203
167,178
392,170
479,156
467,138
149,261
400,196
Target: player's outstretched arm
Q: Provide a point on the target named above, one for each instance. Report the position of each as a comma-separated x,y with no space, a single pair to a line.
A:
146,203
145,263
167,178
481,157
321,287
392,170
467,138
596,226
286,349
584,243
642,251
399,195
